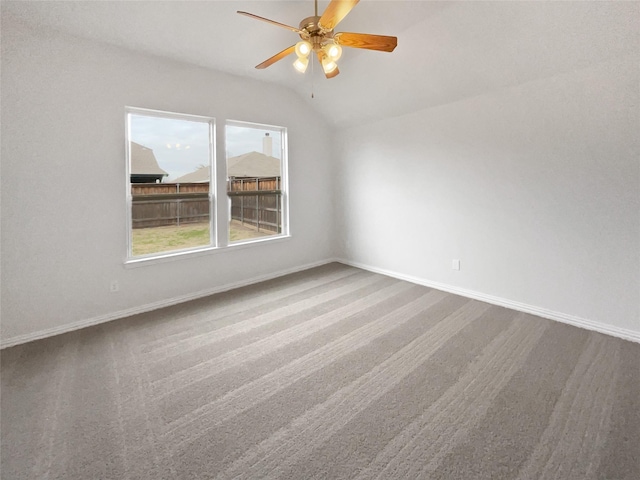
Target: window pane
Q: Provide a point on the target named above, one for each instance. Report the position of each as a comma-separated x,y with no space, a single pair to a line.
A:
255,184
170,167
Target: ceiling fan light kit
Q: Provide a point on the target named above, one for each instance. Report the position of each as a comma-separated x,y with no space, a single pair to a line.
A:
333,50
317,35
303,48
328,65
301,64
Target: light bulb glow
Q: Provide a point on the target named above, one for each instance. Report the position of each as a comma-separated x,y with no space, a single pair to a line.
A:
333,50
328,65
301,64
303,48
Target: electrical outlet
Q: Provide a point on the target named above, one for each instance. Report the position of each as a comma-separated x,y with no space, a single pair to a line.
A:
114,286
455,264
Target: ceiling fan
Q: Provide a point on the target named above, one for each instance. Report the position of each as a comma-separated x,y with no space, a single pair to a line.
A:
317,36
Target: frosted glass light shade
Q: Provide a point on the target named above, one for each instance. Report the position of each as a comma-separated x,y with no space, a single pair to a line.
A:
334,51
328,65
301,64
303,48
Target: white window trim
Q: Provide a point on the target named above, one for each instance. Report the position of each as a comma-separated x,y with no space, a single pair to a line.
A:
130,258
199,252
284,180
218,244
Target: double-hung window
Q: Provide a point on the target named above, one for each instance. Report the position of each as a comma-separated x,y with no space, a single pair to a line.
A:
256,181
171,184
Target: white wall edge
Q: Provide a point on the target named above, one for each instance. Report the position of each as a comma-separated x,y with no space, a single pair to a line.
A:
20,339
607,329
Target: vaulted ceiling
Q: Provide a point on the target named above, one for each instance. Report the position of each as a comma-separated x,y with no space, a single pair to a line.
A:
446,51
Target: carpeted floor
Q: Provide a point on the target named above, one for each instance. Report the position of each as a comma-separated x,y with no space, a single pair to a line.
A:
331,373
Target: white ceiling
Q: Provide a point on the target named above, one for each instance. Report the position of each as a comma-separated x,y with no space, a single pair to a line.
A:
446,50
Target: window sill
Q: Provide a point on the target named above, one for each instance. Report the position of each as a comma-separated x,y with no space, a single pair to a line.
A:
136,262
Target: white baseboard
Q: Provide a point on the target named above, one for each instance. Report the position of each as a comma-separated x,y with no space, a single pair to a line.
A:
612,330
623,333
50,332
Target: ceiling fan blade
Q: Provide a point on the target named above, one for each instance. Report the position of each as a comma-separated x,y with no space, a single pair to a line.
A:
334,72
382,43
276,57
278,24
335,12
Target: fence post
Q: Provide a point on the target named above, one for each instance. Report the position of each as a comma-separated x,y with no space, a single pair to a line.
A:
258,212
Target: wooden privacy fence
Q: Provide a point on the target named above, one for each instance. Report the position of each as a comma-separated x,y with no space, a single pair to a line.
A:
254,201
257,202
161,204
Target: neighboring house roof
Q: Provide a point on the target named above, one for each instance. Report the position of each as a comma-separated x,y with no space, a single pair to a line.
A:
143,161
201,175
251,165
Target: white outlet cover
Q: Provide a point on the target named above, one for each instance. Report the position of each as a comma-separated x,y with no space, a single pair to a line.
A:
455,264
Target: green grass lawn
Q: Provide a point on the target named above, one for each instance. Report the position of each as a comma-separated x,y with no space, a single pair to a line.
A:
165,239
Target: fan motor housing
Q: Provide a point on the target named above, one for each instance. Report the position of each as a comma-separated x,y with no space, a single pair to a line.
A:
310,25
313,32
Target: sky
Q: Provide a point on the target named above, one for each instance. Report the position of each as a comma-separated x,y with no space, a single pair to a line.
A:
242,139
182,146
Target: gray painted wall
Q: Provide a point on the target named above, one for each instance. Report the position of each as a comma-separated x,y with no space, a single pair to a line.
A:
535,188
63,179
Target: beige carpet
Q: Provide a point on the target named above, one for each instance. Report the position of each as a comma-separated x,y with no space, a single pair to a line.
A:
332,373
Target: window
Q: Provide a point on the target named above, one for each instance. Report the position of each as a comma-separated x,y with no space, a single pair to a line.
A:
170,161
171,184
256,181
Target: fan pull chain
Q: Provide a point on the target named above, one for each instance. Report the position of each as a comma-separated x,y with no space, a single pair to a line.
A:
312,77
